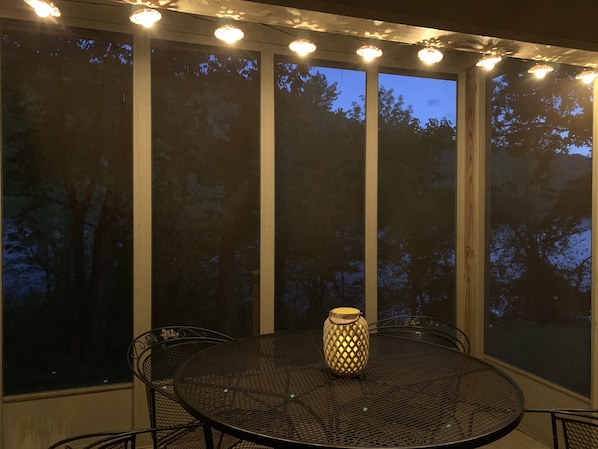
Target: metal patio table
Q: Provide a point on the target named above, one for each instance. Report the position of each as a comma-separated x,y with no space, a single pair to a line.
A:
276,390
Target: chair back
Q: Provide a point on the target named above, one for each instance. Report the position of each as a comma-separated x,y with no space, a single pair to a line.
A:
154,358
575,429
105,440
426,329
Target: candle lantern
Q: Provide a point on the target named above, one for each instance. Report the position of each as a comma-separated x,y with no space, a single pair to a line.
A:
346,341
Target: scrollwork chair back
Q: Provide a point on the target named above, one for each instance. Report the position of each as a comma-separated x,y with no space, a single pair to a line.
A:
422,328
154,358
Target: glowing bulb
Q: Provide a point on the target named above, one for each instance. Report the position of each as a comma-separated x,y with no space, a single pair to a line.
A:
489,61
540,70
302,46
229,33
587,76
145,17
369,52
430,55
44,8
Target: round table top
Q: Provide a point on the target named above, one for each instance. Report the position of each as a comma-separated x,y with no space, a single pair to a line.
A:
276,390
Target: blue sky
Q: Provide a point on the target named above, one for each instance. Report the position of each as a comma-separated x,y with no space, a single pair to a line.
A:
429,97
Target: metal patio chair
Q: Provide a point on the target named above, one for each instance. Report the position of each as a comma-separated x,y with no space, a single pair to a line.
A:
154,358
422,328
109,440
572,429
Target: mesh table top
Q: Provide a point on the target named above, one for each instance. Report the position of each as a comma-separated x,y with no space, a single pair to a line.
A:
276,389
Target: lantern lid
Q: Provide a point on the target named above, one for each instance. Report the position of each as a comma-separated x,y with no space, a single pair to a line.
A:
344,315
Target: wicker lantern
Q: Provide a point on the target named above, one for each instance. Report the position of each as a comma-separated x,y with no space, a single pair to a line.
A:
346,341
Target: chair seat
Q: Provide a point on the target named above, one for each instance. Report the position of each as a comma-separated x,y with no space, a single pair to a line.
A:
573,428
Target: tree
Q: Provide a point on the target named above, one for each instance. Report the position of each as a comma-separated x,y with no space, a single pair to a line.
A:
205,115
416,211
319,199
67,206
538,186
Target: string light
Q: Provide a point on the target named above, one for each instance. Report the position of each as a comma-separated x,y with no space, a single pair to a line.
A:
229,33
145,16
430,55
587,76
44,8
489,61
148,16
302,46
369,52
540,70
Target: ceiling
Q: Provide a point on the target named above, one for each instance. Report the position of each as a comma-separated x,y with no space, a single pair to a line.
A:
385,31
333,32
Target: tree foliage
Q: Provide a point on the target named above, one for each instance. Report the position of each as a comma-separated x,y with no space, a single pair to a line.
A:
319,200
415,212
205,114
67,199
320,193
67,210
540,222
541,195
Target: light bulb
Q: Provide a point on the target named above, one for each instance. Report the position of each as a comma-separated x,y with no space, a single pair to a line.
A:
302,46
369,52
540,70
44,8
229,33
430,55
587,76
145,16
489,61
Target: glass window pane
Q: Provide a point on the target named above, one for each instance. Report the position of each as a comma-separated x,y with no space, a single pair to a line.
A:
539,303
320,143
67,207
416,196
205,193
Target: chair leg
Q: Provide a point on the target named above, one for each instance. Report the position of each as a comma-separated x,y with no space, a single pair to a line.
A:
207,432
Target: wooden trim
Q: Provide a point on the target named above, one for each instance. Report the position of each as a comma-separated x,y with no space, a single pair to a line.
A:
371,194
594,251
142,206
1,266
471,192
267,197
